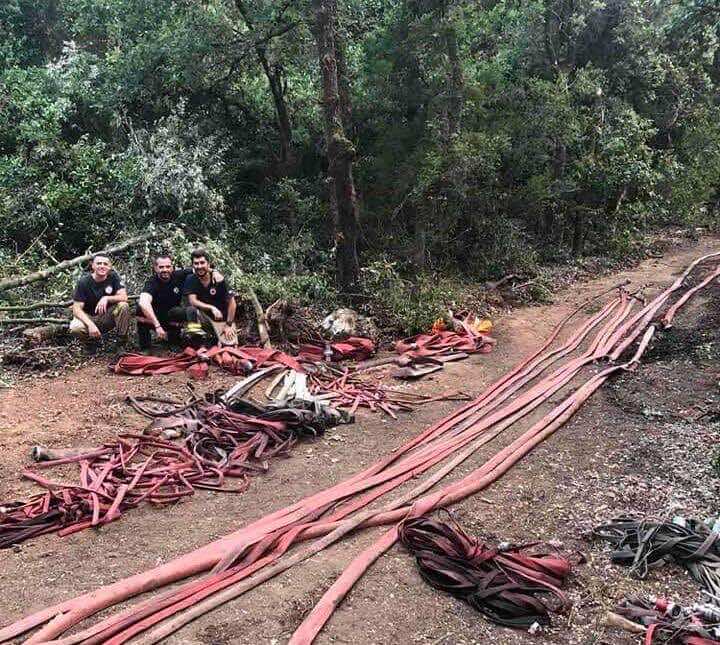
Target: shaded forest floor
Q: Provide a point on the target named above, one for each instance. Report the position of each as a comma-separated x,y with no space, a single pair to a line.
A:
643,445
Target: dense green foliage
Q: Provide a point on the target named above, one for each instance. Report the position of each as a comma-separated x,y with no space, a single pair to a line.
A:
491,136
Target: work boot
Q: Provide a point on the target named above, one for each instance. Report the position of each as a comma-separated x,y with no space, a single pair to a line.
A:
194,335
120,345
91,347
121,315
144,338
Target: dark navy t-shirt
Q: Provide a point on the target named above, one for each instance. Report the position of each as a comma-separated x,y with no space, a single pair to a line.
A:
89,292
216,294
166,295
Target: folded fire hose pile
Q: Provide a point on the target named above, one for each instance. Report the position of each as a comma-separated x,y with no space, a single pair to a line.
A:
573,369
233,438
427,353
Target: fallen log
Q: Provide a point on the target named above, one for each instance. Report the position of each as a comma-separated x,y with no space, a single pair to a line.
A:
32,321
261,318
50,328
45,332
40,453
614,620
19,281
37,305
492,286
45,305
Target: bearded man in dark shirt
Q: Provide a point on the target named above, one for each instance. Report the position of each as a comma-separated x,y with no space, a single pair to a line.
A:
160,304
100,303
212,301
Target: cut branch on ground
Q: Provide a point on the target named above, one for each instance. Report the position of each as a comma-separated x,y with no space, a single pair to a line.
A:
19,281
32,321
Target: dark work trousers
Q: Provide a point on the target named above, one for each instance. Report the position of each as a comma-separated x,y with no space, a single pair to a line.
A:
171,322
212,327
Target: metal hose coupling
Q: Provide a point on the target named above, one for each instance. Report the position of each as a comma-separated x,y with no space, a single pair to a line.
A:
40,453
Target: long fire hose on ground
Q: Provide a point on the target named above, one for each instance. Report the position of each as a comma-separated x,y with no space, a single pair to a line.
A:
257,552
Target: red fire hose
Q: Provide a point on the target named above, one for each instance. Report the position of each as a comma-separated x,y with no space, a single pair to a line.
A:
259,549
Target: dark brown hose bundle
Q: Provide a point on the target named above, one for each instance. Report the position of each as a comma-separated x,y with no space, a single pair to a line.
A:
509,586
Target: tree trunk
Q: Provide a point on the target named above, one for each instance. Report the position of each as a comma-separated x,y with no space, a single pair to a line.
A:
419,230
277,90
344,212
578,240
548,222
559,164
343,85
456,82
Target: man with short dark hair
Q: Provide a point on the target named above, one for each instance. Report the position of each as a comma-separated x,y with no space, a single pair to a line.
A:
100,303
160,304
212,301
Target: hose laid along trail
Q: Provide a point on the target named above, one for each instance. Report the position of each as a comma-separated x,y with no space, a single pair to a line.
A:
269,546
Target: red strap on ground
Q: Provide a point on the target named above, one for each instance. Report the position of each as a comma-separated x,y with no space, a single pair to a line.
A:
353,348
141,365
445,342
238,360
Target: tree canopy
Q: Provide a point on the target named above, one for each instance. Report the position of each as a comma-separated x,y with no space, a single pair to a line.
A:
482,137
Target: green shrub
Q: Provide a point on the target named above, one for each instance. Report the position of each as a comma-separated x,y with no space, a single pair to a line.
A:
402,306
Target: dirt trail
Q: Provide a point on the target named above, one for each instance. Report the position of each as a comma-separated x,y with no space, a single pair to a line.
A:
584,473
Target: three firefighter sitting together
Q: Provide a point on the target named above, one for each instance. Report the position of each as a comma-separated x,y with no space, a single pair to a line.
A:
196,302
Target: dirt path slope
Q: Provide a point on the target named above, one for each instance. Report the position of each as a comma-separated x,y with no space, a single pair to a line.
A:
634,447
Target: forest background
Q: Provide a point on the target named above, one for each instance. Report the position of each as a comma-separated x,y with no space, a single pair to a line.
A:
390,154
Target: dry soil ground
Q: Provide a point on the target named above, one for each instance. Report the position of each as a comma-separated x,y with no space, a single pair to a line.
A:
642,445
